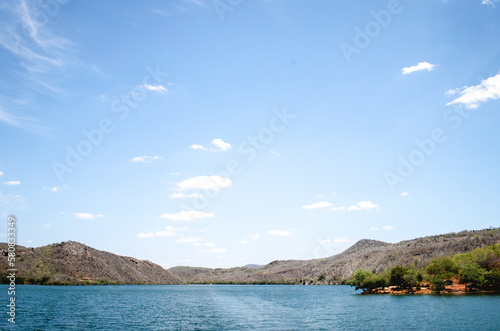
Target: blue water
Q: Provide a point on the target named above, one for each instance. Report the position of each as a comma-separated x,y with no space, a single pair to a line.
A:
232,307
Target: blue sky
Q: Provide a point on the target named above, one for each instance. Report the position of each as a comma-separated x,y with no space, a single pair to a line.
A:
222,133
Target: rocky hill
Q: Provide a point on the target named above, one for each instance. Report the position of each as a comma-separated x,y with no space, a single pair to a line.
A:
367,254
74,263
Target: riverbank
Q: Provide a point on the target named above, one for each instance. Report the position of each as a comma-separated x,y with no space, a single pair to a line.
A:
454,288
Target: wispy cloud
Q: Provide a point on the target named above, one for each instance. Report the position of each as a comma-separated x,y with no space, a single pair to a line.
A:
488,2
155,88
12,182
145,159
419,67
204,183
363,205
52,188
168,232
472,96
43,58
317,205
187,215
221,146
87,216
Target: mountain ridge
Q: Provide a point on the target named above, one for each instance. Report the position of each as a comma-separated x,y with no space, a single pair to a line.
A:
74,263
368,254
70,263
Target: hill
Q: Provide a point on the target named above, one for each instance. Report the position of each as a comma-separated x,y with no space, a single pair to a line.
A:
372,255
72,263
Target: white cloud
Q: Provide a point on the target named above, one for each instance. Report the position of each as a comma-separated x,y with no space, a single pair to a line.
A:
420,66
187,215
363,205
197,244
214,250
29,241
280,232
338,208
317,205
52,189
274,152
145,159
472,96
254,236
404,194
194,146
189,240
488,2
46,225
145,235
320,195
221,145
244,242
204,183
1,173
87,216
155,88
388,227
12,182
209,244
374,229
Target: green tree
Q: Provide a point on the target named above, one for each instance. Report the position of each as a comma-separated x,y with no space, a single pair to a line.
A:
405,278
359,277
472,273
492,278
440,269
444,267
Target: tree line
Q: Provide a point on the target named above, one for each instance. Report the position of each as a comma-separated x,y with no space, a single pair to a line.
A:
478,269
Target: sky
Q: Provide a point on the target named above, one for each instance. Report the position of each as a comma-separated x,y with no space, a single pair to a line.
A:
220,133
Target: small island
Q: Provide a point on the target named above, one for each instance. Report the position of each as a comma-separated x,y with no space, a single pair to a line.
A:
477,271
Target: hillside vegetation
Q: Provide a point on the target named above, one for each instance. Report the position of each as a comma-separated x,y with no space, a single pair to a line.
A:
478,270
74,263
70,263
374,256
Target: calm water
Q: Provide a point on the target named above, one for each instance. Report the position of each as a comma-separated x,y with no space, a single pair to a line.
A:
220,307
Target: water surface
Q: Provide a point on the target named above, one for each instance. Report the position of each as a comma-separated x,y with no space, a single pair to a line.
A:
233,307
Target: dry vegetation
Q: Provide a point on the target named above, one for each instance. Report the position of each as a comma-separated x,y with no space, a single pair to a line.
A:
372,255
75,263
70,263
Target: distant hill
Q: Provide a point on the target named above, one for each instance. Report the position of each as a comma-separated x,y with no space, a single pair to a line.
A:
368,254
75,263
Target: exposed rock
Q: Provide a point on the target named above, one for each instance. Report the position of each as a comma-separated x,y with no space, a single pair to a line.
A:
75,263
